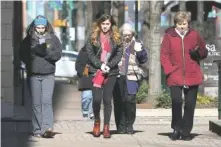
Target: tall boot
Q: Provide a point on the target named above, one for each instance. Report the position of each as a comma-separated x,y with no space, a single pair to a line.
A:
106,132
96,129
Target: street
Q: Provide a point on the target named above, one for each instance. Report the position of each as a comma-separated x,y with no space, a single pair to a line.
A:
152,127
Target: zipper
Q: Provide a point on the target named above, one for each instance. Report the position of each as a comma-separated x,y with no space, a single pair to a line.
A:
184,63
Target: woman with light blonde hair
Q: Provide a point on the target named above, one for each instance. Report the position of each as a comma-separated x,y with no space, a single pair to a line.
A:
104,53
182,49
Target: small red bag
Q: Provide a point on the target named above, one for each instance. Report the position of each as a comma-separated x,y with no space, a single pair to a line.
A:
98,79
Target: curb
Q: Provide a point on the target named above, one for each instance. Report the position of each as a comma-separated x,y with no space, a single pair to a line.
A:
167,112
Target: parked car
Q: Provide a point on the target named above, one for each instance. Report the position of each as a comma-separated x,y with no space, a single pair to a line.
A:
65,67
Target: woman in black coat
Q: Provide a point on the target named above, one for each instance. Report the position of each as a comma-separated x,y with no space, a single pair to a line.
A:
104,52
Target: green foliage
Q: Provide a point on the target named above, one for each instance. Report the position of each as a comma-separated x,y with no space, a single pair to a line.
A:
164,100
204,99
142,94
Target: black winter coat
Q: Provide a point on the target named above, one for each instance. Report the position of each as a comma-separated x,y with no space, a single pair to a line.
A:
85,83
40,59
94,54
81,61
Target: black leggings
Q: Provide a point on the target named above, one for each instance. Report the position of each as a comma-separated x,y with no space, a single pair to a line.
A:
104,93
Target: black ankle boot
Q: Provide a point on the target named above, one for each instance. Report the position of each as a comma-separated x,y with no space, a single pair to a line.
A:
130,129
121,131
186,137
175,135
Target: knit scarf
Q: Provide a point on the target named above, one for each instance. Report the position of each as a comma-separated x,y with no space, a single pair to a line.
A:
100,78
127,50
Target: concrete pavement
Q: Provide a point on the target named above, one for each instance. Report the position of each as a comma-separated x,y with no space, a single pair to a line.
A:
152,128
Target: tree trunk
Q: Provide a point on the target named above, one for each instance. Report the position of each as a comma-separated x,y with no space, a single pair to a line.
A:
182,6
88,19
154,51
121,13
96,6
79,30
118,12
200,15
146,24
200,28
145,31
107,7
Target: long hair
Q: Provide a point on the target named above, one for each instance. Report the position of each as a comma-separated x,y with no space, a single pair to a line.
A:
30,28
96,29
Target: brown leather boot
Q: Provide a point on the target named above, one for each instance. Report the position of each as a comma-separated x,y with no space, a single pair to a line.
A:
106,132
96,129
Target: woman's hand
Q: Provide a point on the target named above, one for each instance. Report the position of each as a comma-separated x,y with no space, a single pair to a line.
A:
105,68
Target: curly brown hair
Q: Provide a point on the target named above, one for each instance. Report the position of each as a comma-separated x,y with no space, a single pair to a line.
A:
96,29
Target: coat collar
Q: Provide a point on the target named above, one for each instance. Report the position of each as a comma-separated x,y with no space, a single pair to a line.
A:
173,32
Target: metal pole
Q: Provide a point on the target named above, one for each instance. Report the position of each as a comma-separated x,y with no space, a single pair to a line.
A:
136,17
219,91
23,86
219,87
70,26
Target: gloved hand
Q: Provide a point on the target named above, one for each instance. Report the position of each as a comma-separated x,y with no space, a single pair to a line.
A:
137,46
40,50
194,54
105,68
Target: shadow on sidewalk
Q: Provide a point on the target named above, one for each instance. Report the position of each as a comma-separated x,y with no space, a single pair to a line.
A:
169,133
113,132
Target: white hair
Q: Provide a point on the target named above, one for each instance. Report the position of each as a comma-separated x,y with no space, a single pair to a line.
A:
127,27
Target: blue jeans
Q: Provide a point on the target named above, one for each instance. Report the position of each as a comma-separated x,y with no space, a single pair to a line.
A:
86,102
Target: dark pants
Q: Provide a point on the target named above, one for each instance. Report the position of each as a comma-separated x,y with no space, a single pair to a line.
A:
104,93
185,122
124,105
41,88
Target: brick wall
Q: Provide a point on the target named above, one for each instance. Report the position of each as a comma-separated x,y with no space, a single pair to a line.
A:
7,72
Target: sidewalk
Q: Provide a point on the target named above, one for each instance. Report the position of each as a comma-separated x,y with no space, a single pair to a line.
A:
167,112
152,128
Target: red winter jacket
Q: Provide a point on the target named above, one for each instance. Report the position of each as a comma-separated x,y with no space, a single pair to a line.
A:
178,66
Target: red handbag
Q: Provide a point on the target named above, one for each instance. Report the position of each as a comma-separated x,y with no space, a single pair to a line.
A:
98,79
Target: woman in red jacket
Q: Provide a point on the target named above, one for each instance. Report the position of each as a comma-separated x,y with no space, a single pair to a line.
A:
182,50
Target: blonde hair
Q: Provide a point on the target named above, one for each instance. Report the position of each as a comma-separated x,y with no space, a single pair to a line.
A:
96,30
180,16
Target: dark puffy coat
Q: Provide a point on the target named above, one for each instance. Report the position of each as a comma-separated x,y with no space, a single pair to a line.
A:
81,61
85,83
94,54
40,58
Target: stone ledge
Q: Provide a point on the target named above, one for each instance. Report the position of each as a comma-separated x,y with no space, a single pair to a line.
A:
9,119
12,125
215,126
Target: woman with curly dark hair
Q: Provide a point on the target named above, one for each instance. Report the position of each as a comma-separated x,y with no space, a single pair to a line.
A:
104,52
40,50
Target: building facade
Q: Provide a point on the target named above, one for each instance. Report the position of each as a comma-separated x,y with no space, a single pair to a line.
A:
11,35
